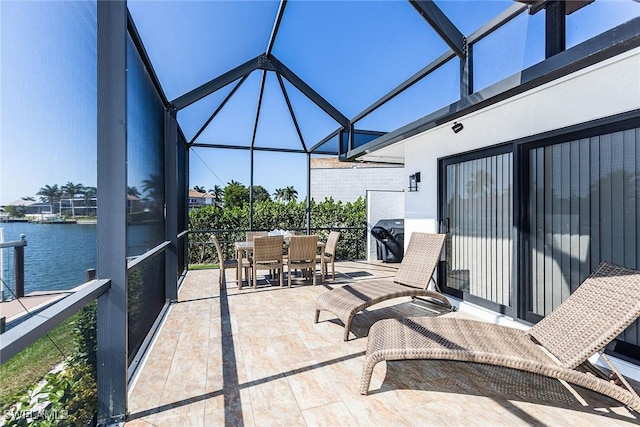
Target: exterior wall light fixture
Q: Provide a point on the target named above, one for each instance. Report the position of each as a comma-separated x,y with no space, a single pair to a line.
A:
457,127
413,181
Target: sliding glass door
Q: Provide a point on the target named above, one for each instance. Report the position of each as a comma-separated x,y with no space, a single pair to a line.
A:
578,204
583,208
477,216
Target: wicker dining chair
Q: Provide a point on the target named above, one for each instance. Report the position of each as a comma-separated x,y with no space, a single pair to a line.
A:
329,255
559,346
267,255
302,256
229,263
249,236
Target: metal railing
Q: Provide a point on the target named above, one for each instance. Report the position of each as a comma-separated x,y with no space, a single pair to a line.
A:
18,265
18,338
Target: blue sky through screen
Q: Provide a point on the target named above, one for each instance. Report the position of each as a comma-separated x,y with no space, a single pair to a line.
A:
351,52
48,96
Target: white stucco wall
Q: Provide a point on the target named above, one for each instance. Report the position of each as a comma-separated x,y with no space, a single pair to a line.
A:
602,90
350,183
599,91
381,205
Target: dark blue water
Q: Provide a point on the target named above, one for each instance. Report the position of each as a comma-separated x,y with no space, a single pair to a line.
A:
56,257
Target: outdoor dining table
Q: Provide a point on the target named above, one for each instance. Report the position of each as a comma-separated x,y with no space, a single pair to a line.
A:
247,247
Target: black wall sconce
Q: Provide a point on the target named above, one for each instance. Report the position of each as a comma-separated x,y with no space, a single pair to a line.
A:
457,127
413,181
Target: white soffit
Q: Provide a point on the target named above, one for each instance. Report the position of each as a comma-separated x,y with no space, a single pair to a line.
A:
393,153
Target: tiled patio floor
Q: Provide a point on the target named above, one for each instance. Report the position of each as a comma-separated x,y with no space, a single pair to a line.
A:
256,358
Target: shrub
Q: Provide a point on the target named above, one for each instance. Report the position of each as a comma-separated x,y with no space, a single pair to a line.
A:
67,396
271,215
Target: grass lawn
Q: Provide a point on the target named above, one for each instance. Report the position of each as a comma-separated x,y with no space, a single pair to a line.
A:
29,366
202,266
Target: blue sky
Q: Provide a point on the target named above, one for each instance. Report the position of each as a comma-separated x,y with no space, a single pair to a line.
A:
351,52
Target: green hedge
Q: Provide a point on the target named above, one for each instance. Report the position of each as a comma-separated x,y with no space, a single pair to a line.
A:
230,224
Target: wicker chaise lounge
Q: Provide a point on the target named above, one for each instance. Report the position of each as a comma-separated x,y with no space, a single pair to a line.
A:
597,312
412,279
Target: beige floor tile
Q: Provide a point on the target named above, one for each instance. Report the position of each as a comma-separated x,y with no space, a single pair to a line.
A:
255,357
331,415
311,386
229,416
276,418
273,396
190,414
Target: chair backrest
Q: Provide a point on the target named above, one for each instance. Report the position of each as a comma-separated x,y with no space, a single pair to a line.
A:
216,243
251,234
267,248
420,260
603,306
332,242
303,248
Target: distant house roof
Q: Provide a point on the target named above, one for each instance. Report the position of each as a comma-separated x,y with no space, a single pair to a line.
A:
197,194
21,202
334,163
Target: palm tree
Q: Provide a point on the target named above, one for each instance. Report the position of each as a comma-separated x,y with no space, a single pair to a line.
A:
133,191
480,184
199,189
279,194
218,193
286,194
89,194
50,194
71,190
291,193
154,186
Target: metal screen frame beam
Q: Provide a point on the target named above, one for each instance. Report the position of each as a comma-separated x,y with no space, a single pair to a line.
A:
327,139
466,73
170,205
617,40
137,41
259,107
442,25
435,64
308,91
491,26
217,83
276,26
112,210
220,107
247,148
308,204
555,40
251,148
291,112
503,18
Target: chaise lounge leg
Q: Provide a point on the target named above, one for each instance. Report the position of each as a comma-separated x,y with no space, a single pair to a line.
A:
317,316
367,373
347,328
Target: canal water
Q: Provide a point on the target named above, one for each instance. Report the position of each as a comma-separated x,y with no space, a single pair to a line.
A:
56,256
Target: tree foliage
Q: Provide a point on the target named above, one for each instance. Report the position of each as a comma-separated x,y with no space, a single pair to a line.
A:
235,195
14,211
260,194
